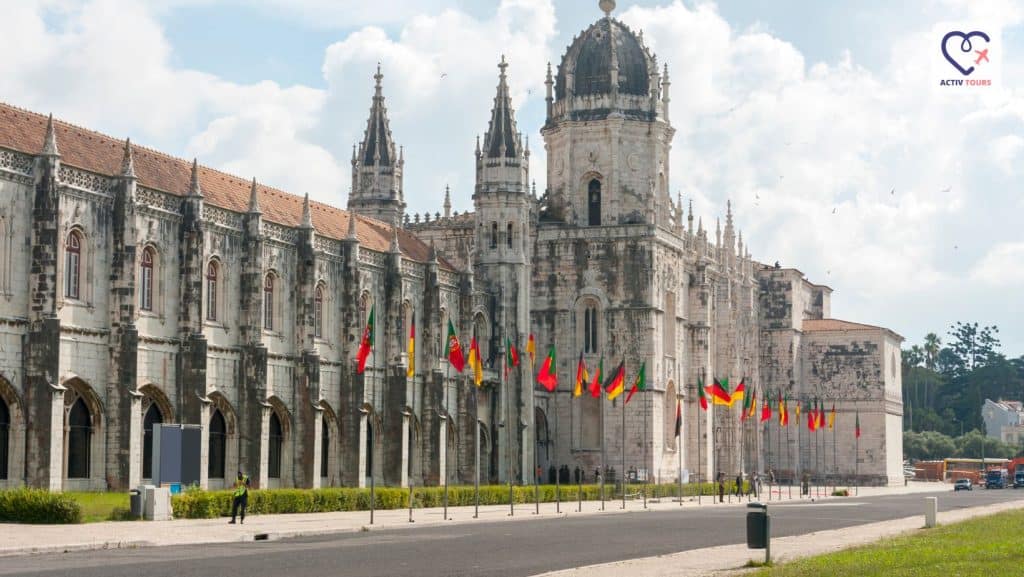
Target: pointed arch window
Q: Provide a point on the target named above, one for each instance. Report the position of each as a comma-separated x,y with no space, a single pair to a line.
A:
508,235
79,440
146,284
325,445
594,202
590,320
275,442
494,235
218,446
318,312
212,278
72,265
268,302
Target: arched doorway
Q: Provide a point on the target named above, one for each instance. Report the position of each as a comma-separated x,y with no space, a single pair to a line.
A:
79,440
218,444
594,202
153,417
275,443
5,441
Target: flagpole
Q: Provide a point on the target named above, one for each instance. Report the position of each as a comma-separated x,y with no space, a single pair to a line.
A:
558,470
700,441
536,480
679,449
604,448
835,465
476,457
508,431
647,475
789,453
622,452
856,458
444,401
373,436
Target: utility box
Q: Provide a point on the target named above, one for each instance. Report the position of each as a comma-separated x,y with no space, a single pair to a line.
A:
157,504
176,454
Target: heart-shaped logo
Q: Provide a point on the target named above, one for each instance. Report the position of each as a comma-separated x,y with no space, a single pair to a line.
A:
965,48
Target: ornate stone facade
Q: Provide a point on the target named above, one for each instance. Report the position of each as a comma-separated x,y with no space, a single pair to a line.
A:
156,290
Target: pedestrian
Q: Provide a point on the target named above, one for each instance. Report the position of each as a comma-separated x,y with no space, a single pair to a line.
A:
721,487
739,484
771,477
241,498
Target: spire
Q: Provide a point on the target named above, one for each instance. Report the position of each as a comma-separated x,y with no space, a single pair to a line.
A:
447,201
502,140
728,214
50,143
718,232
307,214
690,217
128,160
396,247
351,226
377,148
549,84
194,189
254,198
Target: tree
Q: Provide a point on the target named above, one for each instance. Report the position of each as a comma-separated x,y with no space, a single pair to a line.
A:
969,446
973,345
932,345
912,357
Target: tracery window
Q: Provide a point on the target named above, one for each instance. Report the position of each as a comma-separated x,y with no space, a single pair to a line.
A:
146,284
72,265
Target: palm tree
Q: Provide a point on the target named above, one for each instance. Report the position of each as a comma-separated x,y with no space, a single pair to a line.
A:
932,342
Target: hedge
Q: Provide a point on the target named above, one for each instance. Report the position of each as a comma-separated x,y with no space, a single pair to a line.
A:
197,504
39,507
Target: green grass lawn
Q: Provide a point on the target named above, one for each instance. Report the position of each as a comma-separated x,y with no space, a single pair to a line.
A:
102,506
983,547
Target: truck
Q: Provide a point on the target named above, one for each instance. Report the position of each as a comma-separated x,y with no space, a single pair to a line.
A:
996,478
1018,480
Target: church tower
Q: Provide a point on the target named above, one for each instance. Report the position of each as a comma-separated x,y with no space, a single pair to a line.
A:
377,168
501,262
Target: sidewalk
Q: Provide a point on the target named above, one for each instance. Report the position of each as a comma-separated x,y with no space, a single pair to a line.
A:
18,539
729,559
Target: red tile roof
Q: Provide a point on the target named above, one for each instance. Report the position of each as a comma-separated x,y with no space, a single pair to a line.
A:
25,131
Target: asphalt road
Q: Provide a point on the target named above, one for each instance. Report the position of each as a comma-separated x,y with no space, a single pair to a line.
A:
509,549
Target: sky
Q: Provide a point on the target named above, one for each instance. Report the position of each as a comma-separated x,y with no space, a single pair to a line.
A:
822,122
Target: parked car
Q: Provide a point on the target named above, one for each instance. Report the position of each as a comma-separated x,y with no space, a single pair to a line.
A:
963,485
1018,480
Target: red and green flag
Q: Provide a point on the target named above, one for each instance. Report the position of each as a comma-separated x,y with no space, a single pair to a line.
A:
856,430
747,400
453,350
639,384
511,356
702,395
548,376
766,409
821,416
616,382
595,385
366,344
720,392
812,417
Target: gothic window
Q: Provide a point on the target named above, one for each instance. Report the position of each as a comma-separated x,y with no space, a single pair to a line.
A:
325,445
79,439
508,237
494,235
218,446
146,288
318,312
268,302
212,274
275,442
594,202
5,428
72,265
670,416
590,321
153,417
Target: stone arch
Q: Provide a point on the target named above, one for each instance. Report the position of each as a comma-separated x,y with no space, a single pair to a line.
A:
221,448
12,435
155,408
321,310
83,436
482,331
75,271
150,285
590,323
271,299
215,279
330,446
279,443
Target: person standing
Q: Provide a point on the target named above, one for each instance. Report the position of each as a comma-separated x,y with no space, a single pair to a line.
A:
721,487
739,485
241,498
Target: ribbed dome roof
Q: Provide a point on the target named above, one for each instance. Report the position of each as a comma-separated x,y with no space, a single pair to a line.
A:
589,60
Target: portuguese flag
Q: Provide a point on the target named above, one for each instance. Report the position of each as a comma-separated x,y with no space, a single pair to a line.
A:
720,392
366,345
747,400
856,431
548,377
511,356
639,384
581,377
703,397
766,409
617,382
595,386
453,350
821,415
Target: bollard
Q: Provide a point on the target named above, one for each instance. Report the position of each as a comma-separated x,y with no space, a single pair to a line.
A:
931,511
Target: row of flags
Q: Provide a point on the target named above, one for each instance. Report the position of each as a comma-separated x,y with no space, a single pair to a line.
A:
718,391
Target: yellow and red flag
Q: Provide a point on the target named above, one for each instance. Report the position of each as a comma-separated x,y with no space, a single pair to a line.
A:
531,350
617,382
739,394
832,417
719,391
476,363
581,377
410,371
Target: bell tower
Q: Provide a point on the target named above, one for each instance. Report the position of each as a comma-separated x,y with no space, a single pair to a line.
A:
376,168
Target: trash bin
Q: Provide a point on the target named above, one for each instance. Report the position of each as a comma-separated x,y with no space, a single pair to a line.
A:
757,527
135,503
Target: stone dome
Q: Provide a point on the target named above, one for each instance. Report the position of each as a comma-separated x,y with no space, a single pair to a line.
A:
588,62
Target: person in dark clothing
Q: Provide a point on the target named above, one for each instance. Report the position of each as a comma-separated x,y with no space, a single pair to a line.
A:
578,474
739,485
241,500
721,487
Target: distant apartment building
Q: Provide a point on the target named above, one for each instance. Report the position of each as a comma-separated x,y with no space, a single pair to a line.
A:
1004,420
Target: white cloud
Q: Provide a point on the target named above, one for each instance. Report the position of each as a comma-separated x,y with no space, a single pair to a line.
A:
1003,266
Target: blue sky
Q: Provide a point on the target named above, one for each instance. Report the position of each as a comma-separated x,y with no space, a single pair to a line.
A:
820,121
